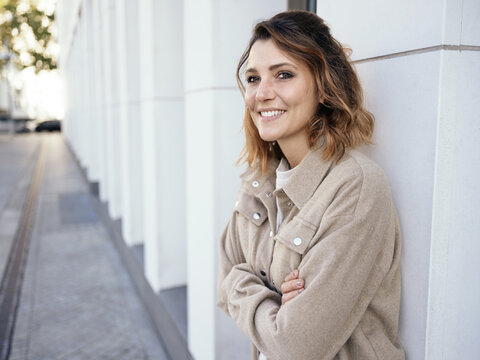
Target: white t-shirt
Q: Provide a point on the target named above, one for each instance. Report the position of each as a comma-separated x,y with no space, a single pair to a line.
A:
283,174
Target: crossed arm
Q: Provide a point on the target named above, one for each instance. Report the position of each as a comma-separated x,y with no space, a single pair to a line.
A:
339,277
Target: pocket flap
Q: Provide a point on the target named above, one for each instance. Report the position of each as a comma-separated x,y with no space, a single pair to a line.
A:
296,235
252,208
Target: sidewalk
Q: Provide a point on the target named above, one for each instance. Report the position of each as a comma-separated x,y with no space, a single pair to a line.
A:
77,301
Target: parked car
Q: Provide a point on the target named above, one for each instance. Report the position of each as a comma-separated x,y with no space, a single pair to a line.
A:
49,125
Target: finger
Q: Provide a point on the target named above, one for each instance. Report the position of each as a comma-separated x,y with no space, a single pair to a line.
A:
292,285
290,295
292,275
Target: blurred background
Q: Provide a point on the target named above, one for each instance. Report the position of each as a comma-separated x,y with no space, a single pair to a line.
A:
30,85
149,109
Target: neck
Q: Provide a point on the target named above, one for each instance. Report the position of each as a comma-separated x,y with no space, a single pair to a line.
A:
294,151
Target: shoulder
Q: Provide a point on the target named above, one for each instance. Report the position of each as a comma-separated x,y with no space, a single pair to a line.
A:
359,164
359,181
358,167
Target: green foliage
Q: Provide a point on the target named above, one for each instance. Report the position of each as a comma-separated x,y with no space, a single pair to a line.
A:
27,31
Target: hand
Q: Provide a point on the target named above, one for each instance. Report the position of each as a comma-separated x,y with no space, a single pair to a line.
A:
292,286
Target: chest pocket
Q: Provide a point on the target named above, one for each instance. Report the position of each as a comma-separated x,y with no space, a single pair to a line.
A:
252,228
291,243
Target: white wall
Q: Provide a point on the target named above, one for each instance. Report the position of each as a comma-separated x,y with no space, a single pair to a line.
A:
66,18
413,85
454,314
424,141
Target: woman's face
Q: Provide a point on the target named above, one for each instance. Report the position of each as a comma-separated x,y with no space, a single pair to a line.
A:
280,94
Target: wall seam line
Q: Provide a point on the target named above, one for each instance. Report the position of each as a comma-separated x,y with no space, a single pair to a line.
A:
444,47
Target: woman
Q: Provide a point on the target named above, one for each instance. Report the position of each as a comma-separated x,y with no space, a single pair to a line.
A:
309,261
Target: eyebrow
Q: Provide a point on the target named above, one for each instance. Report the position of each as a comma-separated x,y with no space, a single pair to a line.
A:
272,67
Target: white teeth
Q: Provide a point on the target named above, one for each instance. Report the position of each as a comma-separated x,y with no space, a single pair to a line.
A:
272,113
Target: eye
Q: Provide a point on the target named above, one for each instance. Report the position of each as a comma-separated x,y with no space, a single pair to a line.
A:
283,75
252,79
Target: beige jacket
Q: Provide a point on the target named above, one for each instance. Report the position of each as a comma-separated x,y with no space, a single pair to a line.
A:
341,231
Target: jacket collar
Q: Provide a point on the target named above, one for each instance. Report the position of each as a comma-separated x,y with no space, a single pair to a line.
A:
303,182
259,183
307,177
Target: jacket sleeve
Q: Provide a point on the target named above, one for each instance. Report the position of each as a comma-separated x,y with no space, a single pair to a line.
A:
342,271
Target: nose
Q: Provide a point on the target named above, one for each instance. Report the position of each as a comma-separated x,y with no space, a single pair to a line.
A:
265,91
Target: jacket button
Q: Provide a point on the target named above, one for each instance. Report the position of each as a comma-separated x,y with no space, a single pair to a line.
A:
255,183
271,233
297,241
289,204
263,273
256,216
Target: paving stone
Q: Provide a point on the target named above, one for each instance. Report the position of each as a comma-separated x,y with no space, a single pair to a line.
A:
76,208
77,300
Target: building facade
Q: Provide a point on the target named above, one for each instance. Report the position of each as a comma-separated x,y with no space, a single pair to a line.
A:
154,118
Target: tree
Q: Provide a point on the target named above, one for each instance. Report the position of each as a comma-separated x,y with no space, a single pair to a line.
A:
27,31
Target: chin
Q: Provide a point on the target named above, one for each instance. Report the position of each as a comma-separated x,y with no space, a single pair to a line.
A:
268,137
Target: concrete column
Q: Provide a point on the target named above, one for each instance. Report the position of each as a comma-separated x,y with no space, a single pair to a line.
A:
453,321
161,108
99,90
66,14
132,222
421,88
65,74
74,95
216,34
165,258
105,19
76,54
122,111
83,103
112,133
68,90
89,119
67,19
66,122
147,120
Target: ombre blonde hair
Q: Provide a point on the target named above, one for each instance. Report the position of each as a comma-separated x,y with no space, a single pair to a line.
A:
340,118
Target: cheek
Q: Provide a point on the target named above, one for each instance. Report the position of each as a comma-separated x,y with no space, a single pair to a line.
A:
308,102
249,99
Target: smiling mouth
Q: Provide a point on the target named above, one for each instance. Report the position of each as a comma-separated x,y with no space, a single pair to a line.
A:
271,113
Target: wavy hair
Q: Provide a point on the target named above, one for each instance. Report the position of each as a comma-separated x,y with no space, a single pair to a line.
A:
340,118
